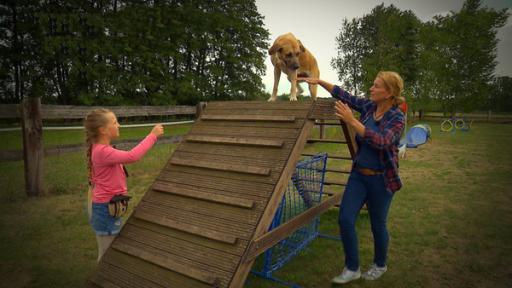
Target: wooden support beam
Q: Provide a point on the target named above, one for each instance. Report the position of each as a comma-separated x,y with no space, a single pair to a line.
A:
235,141
221,166
222,199
350,135
255,118
327,141
262,243
331,156
191,229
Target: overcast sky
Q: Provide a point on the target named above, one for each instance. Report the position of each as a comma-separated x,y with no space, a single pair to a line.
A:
317,23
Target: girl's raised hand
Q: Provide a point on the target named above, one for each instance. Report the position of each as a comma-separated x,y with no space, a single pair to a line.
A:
158,130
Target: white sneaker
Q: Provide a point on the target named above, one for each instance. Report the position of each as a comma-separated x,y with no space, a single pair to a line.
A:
347,276
374,272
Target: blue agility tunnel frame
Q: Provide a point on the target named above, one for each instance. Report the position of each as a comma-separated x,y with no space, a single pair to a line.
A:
304,190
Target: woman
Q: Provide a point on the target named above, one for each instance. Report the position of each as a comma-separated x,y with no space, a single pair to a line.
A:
374,176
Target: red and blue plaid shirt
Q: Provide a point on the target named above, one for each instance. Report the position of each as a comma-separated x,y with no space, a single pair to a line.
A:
391,127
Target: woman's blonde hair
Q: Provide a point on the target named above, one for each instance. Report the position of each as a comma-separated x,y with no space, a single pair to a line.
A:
394,84
93,121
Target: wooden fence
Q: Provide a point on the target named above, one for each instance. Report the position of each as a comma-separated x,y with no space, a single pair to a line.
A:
31,114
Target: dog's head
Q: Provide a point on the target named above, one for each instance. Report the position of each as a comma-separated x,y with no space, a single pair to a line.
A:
288,50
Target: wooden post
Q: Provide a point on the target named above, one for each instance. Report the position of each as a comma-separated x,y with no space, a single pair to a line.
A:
322,128
32,130
489,115
199,109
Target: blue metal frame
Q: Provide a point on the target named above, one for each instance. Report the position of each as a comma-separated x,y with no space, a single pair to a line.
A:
304,190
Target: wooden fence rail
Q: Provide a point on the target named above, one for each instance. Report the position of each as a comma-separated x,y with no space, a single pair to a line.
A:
31,113
79,112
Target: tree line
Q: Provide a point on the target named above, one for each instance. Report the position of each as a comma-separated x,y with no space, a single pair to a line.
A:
131,52
447,63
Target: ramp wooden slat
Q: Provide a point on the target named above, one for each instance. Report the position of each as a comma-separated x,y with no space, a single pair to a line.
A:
197,224
234,140
199,231
222,166
166,263
255,118
206,196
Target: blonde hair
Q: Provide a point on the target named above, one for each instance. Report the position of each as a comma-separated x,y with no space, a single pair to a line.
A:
394,84
93,121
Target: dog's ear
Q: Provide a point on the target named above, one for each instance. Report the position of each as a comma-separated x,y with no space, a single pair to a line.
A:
302,49
274,49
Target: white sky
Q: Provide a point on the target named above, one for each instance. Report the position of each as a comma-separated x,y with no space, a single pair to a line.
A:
317,23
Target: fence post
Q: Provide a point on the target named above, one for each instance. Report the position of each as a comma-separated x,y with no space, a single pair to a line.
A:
489,115
32,130
199,109
322,128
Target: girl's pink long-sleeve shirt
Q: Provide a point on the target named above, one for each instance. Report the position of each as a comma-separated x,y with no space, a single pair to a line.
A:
108,175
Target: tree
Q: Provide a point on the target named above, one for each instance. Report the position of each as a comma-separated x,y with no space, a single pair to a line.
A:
467,48
385,39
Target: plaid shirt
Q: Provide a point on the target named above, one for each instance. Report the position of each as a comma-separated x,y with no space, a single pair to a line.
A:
386,140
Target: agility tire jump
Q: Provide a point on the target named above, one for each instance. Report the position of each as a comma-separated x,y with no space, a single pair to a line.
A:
206,217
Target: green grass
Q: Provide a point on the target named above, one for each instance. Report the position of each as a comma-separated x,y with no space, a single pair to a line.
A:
450,225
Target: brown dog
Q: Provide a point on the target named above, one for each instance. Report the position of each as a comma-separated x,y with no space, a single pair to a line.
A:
289,56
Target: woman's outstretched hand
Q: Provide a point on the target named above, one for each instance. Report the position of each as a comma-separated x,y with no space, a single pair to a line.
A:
158,130
309,80
344,112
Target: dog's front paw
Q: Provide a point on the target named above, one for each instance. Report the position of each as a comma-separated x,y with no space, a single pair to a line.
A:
293,98
271,99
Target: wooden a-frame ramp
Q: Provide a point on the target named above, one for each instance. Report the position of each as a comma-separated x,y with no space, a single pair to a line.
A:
206,217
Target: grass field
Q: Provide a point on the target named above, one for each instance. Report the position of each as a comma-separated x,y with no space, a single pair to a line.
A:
450,226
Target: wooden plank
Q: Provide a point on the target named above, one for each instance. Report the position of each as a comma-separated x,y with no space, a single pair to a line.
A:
249,179
199,231
331,156
79,112
350,135
165,262
221,166
327,141
150,271
233,201
181,249
259,105
204,208
235,249
231,228
299,113
11,111
262,243
267,217
119,276
248,152
253,132
235,186
297,124
257,118
234,140
244,159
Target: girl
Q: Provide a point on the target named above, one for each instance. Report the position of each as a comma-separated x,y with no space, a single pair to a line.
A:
374,176
107,176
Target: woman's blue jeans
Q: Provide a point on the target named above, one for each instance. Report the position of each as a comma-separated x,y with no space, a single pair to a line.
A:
360,189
